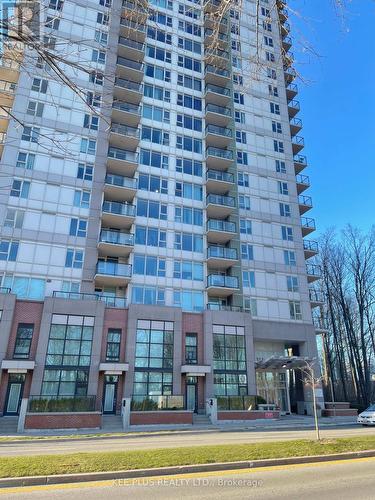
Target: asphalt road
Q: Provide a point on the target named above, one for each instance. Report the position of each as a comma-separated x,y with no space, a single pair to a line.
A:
344,480
37,447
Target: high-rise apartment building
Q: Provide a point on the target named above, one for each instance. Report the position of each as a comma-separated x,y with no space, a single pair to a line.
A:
153,208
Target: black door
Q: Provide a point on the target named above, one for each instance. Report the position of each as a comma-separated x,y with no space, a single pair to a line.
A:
14,393
191,394
110,394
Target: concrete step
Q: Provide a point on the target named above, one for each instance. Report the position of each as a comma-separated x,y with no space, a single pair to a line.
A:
8,425
201,420
112,422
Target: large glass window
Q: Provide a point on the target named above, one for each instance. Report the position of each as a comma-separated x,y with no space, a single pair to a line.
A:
113,344
23,341
191,349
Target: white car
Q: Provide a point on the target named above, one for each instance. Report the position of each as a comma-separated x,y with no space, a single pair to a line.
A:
367,417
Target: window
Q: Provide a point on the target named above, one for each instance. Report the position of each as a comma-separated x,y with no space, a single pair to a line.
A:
25,160
276,127
242,158
14,218
91,122
189,191
155,135
289,258
88,146
157,72
113,345
295,310
155,92
292,283
243,179
155,113
160,18
241,137
189,101
271,73
247,252
191,28
30,134
85,171
74,258
267,26
152,183
23,340
274,108
189,144
268,41
280,166
188,122
245,226
189,82
238,98
148,295
278,146
148,265
283,188
188,300
244,202
20,189
98,56
158,53
188,11
159,35
188,270
25,287
270,56
39,85
152,209
96,77
35,108
248,278
81,199
272,90
284,210
191,349
56,4
188,215
154,159
188,242
52,23
189,63
237,79
239,117
287,233
190,167
250,305
101,37
190,45
150,236
93,99
78,227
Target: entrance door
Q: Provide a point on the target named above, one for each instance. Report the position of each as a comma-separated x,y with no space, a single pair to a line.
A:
110,392
14,394
191,394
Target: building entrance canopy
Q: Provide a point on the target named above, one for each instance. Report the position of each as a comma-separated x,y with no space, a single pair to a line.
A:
283,363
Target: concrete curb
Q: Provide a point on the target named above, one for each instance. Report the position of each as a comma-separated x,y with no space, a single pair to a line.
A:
181,469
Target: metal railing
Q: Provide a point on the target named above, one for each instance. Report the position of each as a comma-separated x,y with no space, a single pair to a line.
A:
313,270
212,306
61,404
222,253
109,300
217,280
131,24
311,246
221,225
210,87
119,208
116,237
157,403
4,289
220,110
303,179
119,128
128,84
216,71
132,44
218,199
215,129
128,63
219,175
305,200
287,40
226,154
296,122
308,222
126,107
294,104
122,154
114,269
315,295
297,140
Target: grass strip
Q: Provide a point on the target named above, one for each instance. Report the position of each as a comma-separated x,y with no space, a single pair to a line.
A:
141,459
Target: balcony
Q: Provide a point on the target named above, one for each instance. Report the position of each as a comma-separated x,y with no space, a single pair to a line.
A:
121,161
218,136
112,273
130,49
120,188
218,115
211,21
220,206
212,5
295,126
310,248
288,59
316,297
291,91
300,163
215,38
127,90
215,94
285,29
115,243
307,225
136,11
305,203
4,289
298,143
293,108
216,76
133,70
303,183
216,57
118,215
123,136
320,324
109,300
221,257
218,159
134,31
221,286
314,272
289,74
283,15
125,112
286,43
216,306
218,181
220,231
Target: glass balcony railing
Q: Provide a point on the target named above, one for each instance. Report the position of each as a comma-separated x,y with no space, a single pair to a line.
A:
119,128
316,295
311,246
313,270
226,154
218,175
294,104
119,208
109,300
126,107
114,269
303,179
122,154
298,141
121,181
296,122
4,289
221,225
307,222
215,129
300,159
287,40
216,53
217,280
116,237
129,85
213,19
128,63
217,89
131,24
216,71
136,6
214,3
220,110
131,43
221,253
305,200
220,36
217,199
320,323
215,306
292,87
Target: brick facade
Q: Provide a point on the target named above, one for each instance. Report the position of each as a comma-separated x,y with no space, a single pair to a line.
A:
63,420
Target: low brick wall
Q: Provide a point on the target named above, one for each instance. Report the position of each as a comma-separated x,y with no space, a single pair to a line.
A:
347,412
63,420
160,417
246,415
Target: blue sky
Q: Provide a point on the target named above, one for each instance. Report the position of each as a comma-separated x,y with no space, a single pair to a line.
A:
337,109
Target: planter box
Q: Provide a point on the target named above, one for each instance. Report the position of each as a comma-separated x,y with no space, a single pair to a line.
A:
247,415
79,420
161,417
